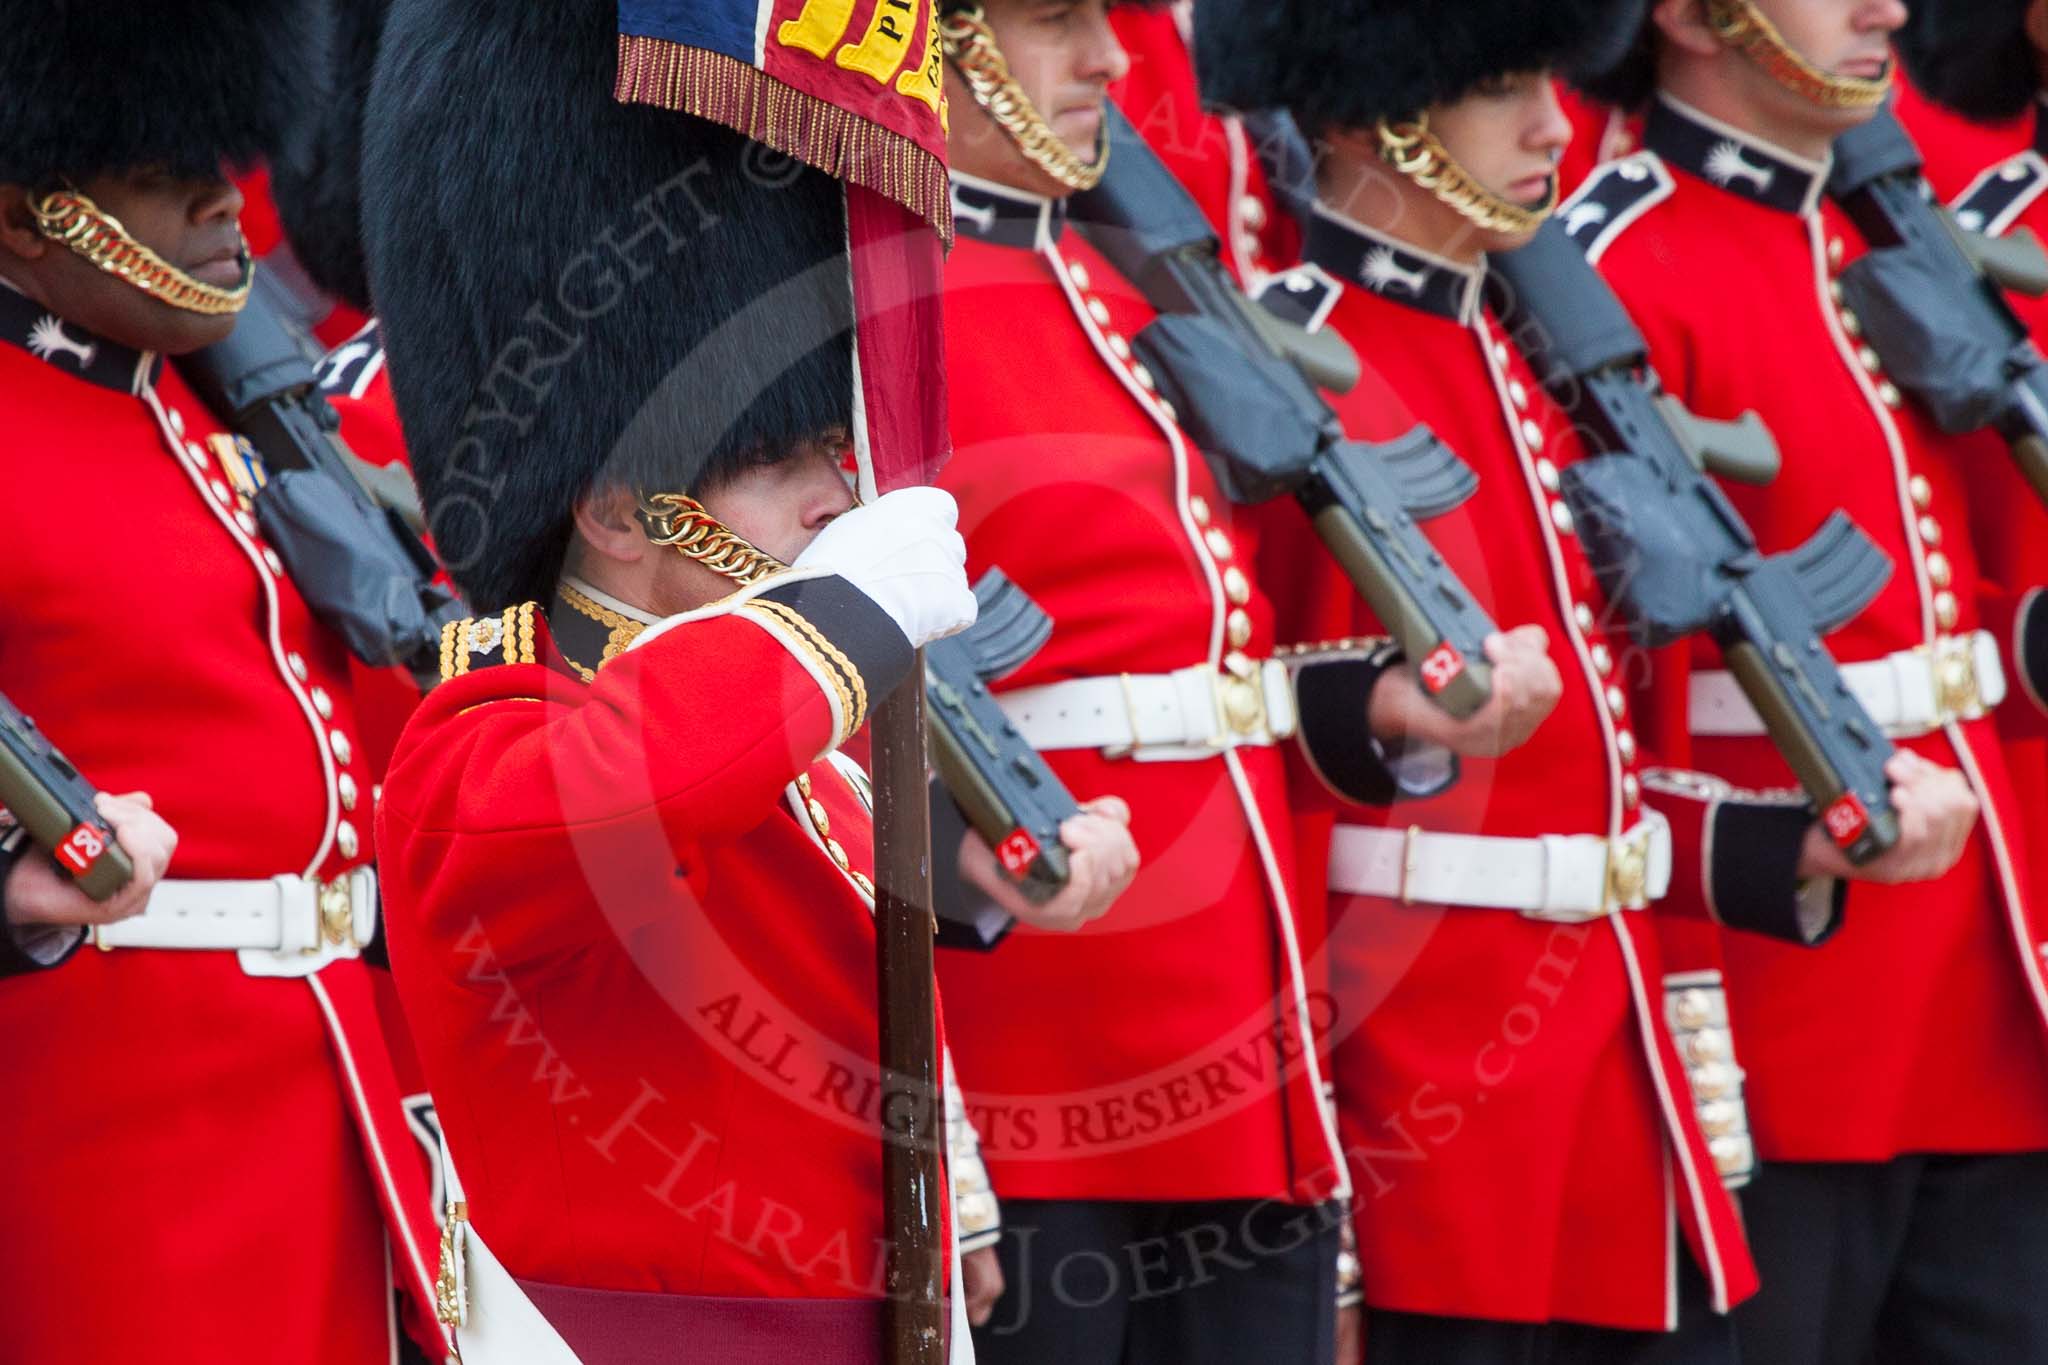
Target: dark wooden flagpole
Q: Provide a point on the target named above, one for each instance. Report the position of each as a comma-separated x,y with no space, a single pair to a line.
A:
912,1101
897,212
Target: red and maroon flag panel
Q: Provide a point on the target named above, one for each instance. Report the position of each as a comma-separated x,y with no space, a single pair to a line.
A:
854,88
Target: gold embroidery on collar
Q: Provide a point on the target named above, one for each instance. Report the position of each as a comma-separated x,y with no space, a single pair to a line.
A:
624,629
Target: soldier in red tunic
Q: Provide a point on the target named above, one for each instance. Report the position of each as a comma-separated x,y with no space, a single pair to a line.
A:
1898,1079
1975,109
1535,1175
1160,1137
631,887
1227,162
208,1109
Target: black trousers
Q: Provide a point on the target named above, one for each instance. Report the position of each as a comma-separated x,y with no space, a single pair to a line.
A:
1098,1283
1704,1337
1923,1260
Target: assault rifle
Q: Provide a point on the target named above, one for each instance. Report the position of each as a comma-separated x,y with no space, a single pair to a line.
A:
1000,783
49,798
1244,384
1675,556
1930,298
345,530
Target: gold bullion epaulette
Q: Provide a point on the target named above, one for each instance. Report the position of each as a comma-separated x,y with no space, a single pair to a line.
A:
481,641
1614,196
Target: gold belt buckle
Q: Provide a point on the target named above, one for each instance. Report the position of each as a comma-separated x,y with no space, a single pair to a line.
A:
1628,871
1958,692
1243,696
337,912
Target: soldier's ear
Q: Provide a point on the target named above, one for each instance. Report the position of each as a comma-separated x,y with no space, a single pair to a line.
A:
608,525
2037,34
1684,25
18,235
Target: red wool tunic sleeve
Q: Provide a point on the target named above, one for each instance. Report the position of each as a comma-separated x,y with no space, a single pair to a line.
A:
632,921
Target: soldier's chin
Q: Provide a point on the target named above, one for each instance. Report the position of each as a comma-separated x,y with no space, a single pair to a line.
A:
1087,153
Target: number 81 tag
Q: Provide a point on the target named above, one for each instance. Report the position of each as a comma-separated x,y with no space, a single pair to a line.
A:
82,849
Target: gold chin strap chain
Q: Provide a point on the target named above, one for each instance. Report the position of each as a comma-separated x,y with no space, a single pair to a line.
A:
68,217
971,47
1743,27
679,521
1410,148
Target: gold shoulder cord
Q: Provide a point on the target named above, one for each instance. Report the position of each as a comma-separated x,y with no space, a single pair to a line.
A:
1741,25
71,219
1410,148
680,522
971,47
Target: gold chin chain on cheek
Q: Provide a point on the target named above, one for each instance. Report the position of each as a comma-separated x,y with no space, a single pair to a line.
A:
70,218
1742,26
971,47
1414,151
680,522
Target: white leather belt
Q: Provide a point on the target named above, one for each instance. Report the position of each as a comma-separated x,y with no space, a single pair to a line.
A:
290,917
1909,694
1187,714
1563,877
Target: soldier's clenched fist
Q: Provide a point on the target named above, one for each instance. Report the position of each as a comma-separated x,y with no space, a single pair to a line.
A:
38,893
1937,810
1102,861
1526,688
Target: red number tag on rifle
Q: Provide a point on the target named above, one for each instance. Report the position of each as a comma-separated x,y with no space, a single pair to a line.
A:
1846,820
82,847
1018,851
1442,667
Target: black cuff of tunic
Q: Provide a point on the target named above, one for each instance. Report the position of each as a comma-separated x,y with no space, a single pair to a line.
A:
967,918
1333,697
855,625
2030,645
1755,874
15,957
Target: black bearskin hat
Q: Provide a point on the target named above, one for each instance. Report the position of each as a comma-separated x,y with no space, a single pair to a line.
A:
1972,55
179,86
1627,78
577,293
1349,63
316,179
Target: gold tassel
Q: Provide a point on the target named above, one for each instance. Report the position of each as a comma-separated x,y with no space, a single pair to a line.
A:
817,132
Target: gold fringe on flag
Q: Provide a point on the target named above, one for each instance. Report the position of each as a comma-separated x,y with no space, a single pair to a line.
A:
711,85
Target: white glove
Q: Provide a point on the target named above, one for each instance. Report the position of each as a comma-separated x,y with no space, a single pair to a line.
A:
902,550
